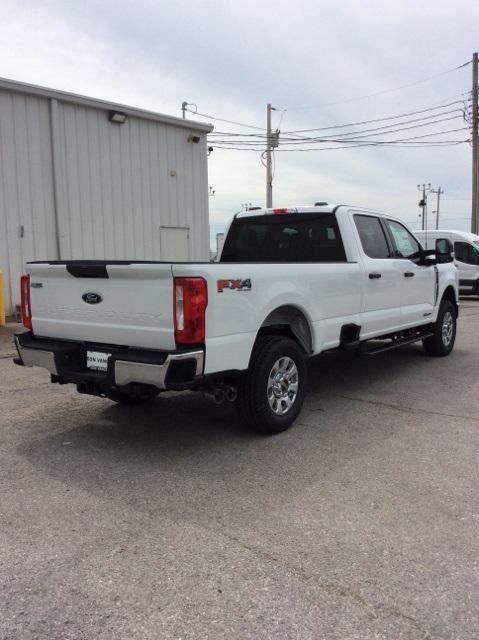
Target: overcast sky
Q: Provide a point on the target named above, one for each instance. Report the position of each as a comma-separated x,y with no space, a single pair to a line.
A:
231,58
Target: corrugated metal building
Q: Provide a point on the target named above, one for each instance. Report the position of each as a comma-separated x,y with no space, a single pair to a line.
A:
74,184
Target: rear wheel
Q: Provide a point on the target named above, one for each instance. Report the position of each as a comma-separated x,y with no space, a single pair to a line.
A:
271,393
442,342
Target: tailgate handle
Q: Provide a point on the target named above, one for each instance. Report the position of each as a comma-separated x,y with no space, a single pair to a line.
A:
91,270
374,276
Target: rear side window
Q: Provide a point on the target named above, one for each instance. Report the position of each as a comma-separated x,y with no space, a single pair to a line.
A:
372,236
299,237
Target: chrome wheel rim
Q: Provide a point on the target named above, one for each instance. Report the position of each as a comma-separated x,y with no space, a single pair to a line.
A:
447,328
282,388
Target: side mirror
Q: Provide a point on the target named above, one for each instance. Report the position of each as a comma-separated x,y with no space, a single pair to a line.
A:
444,251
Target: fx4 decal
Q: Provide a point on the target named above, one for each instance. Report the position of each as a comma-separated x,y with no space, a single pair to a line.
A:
239,285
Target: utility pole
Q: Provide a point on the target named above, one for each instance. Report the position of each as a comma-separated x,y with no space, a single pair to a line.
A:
475,150
439,192
272,141
423,203
269,172
183,109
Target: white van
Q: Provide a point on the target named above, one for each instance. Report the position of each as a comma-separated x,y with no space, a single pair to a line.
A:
466,250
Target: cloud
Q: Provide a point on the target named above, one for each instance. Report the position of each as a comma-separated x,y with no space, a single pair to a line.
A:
231,58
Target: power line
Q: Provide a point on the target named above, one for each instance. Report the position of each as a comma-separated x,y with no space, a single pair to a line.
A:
423,121
383,119
392,143
366,133
352,135
240,124
378,93
381,142
354,140
459,112
403,115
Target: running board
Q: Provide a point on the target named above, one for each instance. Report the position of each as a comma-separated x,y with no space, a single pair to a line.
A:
395,344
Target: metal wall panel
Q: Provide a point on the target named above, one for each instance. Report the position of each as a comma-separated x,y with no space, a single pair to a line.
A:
107,187
27,222
119,183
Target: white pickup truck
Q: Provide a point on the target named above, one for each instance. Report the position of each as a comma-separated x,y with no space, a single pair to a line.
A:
289,284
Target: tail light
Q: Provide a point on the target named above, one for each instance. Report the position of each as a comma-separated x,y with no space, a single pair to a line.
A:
190,300
25,302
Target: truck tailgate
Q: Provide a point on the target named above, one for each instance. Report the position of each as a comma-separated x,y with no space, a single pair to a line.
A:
129,304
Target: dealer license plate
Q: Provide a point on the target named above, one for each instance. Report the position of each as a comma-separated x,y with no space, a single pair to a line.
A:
97,360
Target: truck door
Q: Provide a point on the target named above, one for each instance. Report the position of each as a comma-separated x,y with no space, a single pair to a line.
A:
467,263
381,306
417,282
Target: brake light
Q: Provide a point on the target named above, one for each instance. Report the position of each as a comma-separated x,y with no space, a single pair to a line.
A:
284,210
190,300
25,301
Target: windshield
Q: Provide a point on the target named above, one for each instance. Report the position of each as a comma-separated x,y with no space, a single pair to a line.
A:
475,253
467,252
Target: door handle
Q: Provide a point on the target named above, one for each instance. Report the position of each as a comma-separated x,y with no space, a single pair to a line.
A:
409,274
374,276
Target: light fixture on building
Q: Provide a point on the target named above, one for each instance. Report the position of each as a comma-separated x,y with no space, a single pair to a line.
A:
117,116
194,139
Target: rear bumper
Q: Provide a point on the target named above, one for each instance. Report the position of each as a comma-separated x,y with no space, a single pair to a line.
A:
66,361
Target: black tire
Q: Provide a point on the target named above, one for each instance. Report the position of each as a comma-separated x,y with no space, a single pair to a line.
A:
442,342
256,387
125,398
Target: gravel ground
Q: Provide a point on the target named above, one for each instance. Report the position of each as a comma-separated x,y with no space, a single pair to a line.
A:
172,521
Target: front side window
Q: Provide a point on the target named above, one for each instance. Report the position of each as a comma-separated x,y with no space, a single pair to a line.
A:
297,237
372,236
466,253
404,243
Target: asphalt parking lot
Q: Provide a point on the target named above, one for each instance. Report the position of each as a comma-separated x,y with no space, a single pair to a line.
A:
171,521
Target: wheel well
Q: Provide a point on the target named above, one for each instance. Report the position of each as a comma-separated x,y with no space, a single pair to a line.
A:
291,322
449,294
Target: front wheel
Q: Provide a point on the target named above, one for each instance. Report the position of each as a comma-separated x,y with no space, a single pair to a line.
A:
272,391
442,342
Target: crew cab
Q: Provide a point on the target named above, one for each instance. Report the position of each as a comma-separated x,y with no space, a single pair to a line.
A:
290,283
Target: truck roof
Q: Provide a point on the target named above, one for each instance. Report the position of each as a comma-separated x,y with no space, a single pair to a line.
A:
467,235
323,208
327,208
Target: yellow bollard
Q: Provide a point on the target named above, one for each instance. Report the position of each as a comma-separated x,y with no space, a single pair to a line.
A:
2,301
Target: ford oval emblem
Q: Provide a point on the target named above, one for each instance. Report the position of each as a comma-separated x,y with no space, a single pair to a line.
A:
91,298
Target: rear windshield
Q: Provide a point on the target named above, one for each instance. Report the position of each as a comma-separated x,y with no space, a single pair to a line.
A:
300,237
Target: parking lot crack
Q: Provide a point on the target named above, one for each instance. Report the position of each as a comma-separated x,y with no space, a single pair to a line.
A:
396,407
375,609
